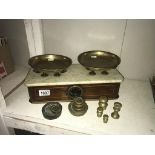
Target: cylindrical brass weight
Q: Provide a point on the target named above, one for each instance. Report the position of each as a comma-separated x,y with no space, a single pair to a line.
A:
105,118
117,107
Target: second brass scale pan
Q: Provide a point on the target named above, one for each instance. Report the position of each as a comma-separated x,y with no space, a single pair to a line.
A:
98,60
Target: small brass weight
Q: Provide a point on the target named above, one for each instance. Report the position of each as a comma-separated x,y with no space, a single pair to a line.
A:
105,118
78,106
102,105
103,102
99,111
117,107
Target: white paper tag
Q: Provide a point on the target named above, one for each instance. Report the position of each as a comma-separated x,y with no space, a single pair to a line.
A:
44,92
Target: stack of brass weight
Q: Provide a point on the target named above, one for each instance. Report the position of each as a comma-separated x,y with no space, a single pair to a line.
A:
78,106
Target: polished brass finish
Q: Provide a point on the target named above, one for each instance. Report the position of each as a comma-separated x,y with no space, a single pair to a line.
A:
78,106
103,102
99,60
50,62
103,105
115,115
117,107
105,118
99,111
103,99
74,91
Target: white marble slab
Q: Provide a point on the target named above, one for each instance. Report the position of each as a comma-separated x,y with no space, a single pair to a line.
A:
76,74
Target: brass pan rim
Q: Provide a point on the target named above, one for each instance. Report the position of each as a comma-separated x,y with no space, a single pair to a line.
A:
98,53
54,59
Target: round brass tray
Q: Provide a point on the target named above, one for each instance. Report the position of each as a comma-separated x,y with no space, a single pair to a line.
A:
50,63
98,60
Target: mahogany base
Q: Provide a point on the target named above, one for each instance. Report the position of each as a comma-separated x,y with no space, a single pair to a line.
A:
60,93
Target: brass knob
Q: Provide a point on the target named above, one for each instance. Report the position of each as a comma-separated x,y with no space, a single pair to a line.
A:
105,118
99,111
103,99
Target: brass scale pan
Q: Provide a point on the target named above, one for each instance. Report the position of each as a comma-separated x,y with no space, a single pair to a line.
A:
91,60
50,63
97,60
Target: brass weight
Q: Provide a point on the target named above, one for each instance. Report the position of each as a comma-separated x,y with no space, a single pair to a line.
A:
105,118
78,106
102,105
103,102
99,111
117,107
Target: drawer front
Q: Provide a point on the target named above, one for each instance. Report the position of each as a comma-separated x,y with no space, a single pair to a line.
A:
89,91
